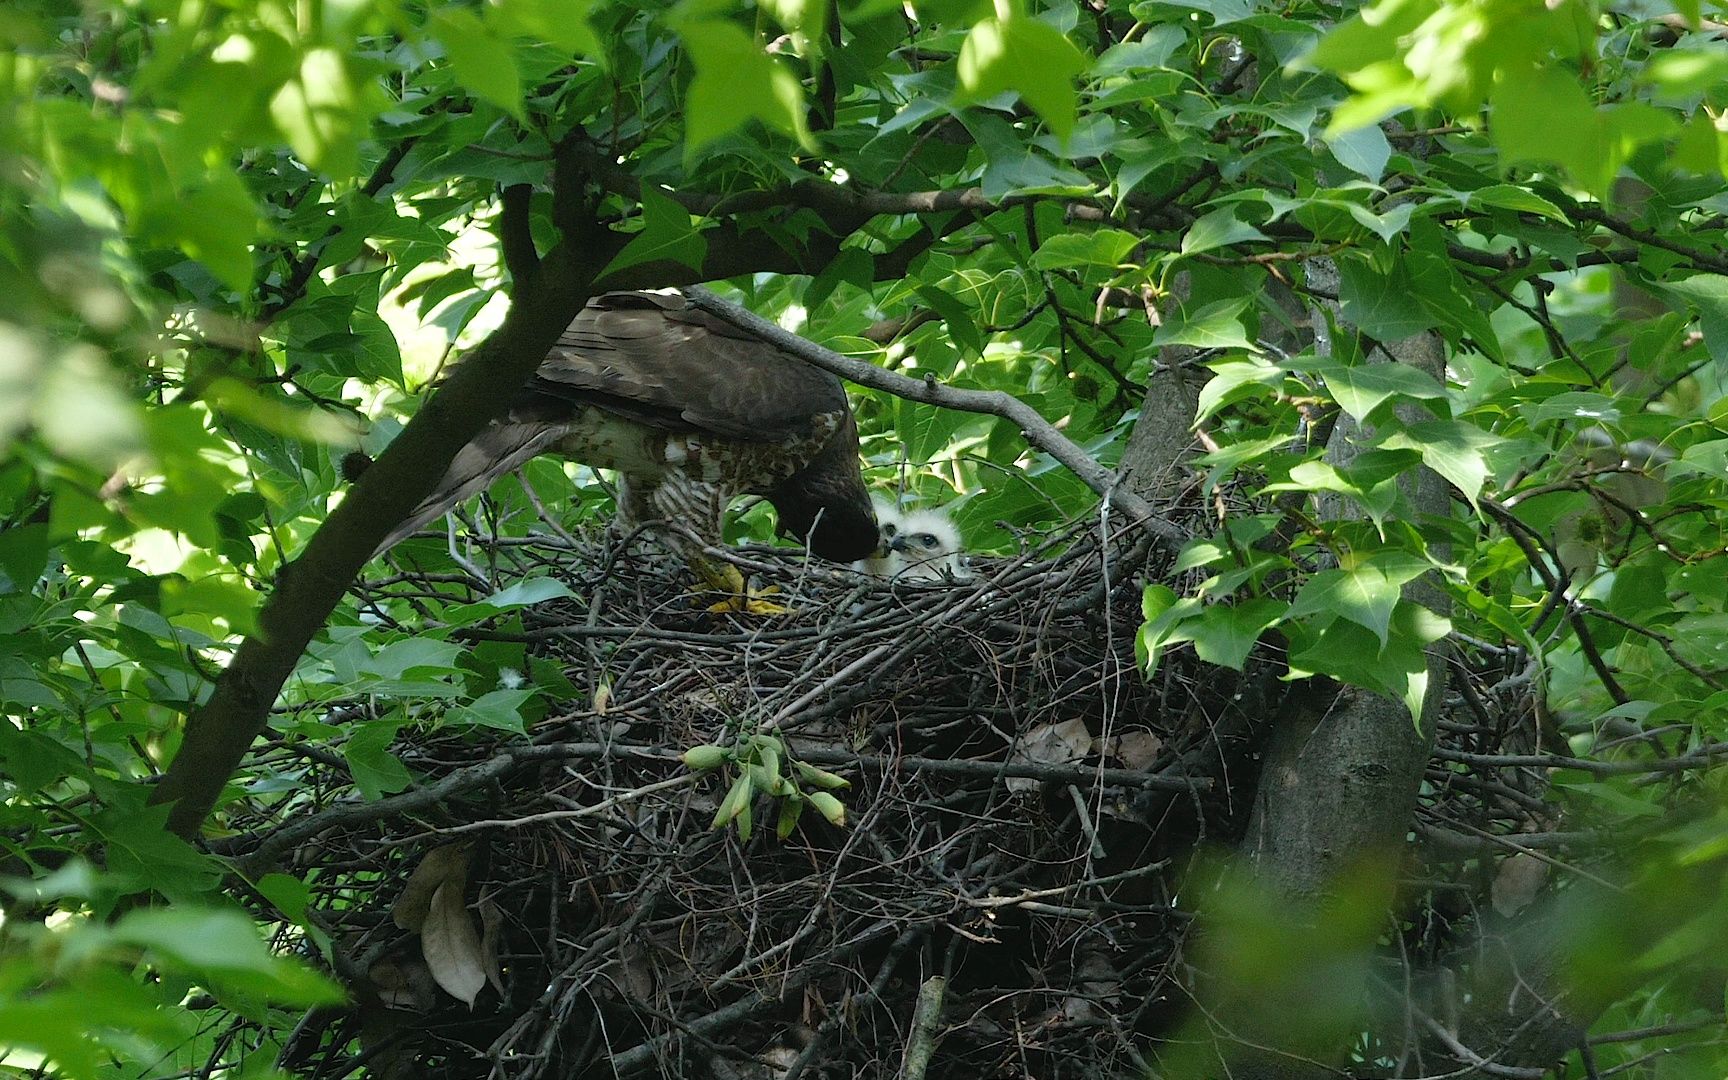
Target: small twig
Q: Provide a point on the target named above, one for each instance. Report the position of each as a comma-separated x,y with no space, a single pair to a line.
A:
1037,431
921,1041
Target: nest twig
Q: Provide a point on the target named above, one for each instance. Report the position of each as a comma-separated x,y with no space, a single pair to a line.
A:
1023,806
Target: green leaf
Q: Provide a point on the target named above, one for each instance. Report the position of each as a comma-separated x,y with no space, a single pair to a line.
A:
500,709
1155,601
737,82
667,233
1028,56
1363,388
1709,292
1165,613
1377,499
1385,306
1543,115
1349,652
926,430
1218,325
483,64
1454,449
322,110
290,895
1509,197
1219,229
29,759
1365,594
525,593
563,23
224,943
376,771
1701,148
962,324
1232,379
1098,247
1575,405
1364,151
1372,35
144,855
1224,634
399,659
23,557
221,596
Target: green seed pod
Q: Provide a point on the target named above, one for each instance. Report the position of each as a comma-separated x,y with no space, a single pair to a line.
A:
821,778
735,802
829,807
705,756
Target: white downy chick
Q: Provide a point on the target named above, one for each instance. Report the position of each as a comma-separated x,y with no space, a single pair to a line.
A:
928,546
885,562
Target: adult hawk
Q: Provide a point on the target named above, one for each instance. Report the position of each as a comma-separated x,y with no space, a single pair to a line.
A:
691,411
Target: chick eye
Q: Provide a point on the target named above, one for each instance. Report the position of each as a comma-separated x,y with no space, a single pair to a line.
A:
927,539
889,530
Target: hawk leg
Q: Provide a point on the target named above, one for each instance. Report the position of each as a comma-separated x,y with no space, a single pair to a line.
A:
723,577
681,500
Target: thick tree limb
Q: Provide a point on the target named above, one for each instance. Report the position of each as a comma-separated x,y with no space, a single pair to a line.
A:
1338,787
1037,431
516,237
219,732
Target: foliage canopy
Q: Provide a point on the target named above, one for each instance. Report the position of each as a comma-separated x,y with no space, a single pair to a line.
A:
238,240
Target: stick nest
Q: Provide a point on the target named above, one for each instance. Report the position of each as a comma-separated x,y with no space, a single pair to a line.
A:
1001,899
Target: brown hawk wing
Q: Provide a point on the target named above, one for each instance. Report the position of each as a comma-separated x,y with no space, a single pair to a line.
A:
654,358
661,391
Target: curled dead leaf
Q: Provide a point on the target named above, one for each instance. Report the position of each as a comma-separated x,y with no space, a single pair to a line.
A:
1138,749
491,922
447,864
451,946
1518,881
1049,744
403,983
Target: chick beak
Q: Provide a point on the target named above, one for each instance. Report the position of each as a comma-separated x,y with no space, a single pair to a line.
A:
899,544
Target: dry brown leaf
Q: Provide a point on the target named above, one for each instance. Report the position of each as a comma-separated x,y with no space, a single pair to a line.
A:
1055,744
442,864
1049,744
403,984
1520,878
638,970
491,921
451,947
1138,749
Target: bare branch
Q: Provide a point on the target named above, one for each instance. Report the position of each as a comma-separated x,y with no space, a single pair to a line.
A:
1037,431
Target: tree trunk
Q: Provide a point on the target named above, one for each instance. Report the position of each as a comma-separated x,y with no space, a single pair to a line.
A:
1337,791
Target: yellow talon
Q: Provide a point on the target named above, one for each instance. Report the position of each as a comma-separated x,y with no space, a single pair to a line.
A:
740,598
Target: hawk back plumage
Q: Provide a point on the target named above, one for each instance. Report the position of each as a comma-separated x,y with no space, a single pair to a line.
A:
672,397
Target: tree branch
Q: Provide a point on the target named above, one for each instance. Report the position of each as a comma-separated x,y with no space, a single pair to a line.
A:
219,732
516,238
1037,431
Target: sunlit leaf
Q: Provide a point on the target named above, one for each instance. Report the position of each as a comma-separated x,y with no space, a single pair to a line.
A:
482,62
1027,56
736,81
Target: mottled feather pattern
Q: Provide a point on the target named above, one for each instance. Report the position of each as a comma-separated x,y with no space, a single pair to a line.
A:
668,395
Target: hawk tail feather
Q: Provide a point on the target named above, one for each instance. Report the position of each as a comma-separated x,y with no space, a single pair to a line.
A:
494,452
